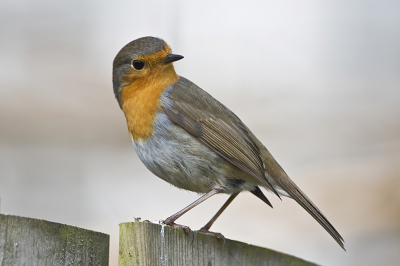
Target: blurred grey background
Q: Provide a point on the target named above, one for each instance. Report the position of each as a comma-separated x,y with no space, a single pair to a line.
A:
317,82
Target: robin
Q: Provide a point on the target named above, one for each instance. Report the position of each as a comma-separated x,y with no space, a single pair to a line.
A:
192,141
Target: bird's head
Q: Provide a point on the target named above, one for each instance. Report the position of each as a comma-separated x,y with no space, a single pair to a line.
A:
143,61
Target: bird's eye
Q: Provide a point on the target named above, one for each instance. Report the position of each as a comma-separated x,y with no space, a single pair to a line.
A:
138,65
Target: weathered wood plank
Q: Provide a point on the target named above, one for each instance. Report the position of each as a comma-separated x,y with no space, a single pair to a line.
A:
145,243
27,241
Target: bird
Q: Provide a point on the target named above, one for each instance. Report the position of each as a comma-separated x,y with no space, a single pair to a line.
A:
189,139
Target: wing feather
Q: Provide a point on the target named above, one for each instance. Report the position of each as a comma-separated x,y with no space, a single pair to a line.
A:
227,140
217,127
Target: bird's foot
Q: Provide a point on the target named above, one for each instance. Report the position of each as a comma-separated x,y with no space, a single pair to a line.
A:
217,235
185,228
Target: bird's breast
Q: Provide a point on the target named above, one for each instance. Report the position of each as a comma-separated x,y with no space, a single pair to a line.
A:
141,103
140,109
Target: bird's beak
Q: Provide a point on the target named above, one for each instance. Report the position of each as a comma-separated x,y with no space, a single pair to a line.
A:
172,58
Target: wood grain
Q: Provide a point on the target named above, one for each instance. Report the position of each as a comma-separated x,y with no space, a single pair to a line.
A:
145,243
27,241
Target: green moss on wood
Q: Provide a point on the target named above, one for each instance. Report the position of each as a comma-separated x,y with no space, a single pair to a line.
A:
26,240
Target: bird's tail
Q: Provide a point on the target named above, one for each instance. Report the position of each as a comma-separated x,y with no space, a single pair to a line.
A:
294,191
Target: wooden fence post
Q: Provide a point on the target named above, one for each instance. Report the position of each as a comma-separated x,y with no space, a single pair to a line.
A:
149,244
26,241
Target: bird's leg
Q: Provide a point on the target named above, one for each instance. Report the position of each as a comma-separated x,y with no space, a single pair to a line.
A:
205,229
171,220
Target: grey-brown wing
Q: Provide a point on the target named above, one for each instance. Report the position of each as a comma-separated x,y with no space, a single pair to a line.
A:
225,138
217,127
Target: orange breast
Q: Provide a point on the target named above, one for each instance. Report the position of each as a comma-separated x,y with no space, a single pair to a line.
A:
141,102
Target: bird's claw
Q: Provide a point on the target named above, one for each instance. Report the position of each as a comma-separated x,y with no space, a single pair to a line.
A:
185,228
217,235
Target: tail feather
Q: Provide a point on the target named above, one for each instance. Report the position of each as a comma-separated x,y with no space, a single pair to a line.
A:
291,188
284,183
